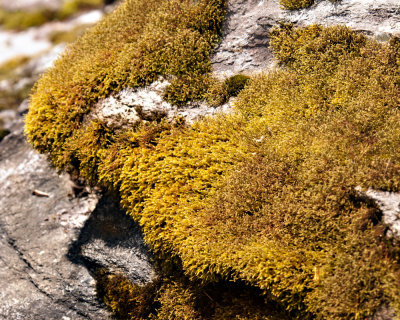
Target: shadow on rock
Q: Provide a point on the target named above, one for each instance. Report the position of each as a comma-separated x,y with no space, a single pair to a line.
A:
111,240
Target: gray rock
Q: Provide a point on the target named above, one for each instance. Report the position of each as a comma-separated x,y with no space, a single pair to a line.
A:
389,203
51,241
384,313
245,45
129,107
111,239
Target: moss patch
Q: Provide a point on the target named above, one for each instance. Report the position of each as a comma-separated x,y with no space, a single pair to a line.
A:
266,196
24,19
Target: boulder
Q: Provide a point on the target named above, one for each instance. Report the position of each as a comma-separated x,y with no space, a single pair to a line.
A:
54,235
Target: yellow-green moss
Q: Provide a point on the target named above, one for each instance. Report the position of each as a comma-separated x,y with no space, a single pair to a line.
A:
295,4
266,195
70,7
68,36
123,298
131,47
23,19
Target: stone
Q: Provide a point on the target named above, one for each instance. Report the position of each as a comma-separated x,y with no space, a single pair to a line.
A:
389,204
130,107
53,239
245,44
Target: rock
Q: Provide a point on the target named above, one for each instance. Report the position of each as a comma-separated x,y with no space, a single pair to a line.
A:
9,119
389,203
245,45
384,313
131,106
43,230
111,239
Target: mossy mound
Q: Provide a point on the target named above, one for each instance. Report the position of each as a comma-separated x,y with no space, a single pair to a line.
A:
266,196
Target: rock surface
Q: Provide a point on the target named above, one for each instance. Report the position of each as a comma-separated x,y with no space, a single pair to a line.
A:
389,203
51,240
245,45
129,107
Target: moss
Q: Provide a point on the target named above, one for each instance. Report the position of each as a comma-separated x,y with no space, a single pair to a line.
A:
11,98
24,19
131,47
8,68
70,7
265,196
123,298
295,4
68,36
216,94
176,297
235,84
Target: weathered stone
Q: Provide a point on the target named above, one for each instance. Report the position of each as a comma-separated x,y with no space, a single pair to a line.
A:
51,240
245,45
131,106
389,203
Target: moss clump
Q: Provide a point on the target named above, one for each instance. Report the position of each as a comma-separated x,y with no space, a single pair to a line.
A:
125,300
70,7
133,46
235,84
68,36
12,71
25,19
175,297
295,4
20,20
266,195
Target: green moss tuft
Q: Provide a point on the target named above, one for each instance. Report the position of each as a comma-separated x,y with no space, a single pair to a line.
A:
124,299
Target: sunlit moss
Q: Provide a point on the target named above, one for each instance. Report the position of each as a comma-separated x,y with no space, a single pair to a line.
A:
266,195
295,4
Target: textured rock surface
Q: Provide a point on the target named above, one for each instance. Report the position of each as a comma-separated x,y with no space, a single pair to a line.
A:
50,240
130,106
389,203
244,47
111,239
